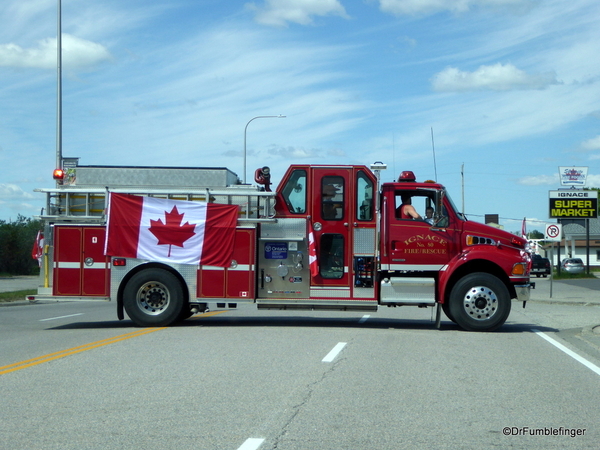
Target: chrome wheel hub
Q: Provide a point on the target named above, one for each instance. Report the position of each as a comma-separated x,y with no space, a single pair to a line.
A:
153,298
480,303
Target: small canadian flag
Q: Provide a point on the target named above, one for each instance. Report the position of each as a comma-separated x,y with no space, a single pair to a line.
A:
312,251
168,230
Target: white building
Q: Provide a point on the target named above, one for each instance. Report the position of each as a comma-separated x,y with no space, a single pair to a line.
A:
574,242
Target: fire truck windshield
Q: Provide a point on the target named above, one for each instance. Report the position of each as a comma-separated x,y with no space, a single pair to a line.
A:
459,214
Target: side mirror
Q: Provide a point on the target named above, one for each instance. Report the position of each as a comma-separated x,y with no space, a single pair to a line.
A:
441,222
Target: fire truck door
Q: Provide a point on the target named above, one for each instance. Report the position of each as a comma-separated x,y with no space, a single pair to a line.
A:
331,221
416,244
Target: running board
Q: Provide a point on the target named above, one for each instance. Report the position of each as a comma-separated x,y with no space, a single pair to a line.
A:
297,306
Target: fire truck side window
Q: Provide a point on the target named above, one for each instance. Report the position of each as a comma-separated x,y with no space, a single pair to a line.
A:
332,198
364,197
294,192
423,204
331,256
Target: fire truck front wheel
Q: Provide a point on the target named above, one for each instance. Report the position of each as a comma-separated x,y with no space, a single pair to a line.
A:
153,297
446,309
479,302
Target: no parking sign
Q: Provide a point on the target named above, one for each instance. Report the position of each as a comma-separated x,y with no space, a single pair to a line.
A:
553,232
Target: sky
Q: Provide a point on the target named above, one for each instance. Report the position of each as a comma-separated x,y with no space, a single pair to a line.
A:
508,89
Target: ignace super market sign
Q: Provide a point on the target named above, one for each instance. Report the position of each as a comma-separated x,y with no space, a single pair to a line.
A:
574,203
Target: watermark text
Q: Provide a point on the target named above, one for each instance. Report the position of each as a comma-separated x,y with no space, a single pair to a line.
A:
543,431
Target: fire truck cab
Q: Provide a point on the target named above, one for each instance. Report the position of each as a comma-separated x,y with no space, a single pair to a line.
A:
328,238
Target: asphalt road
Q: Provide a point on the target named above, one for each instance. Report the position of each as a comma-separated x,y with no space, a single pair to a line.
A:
247,379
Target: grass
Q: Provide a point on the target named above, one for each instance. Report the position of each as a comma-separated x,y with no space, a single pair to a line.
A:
569,276
16,296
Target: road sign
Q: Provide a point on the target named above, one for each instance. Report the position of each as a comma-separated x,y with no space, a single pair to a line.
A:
553,232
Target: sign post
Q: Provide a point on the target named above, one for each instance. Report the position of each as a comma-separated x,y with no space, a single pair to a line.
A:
553,234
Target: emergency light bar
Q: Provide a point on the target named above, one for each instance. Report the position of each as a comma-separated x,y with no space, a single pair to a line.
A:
407,175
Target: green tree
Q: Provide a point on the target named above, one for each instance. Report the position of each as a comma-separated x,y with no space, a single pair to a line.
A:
535,234
16,242
597,193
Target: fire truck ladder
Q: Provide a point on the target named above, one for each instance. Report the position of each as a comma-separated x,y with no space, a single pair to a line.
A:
89,204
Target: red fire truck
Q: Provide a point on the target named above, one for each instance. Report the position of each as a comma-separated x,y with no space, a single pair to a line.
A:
366,253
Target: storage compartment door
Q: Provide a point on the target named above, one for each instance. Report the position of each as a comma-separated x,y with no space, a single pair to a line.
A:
237,280
240,276
67,260
80,267
96,266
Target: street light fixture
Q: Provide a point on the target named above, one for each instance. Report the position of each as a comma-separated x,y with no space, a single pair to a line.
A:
246,129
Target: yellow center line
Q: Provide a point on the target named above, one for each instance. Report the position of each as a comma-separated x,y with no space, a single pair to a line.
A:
82,348
71,351
212,313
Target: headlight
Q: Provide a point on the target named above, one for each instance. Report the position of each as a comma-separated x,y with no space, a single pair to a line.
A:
479,240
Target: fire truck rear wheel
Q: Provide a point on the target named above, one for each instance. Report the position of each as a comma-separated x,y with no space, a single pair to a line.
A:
153,297
479,302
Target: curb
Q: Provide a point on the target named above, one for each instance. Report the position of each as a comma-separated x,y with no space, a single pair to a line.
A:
591,336
564,302
17,303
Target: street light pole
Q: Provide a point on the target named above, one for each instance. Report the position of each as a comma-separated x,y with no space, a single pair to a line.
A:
245,131
59,89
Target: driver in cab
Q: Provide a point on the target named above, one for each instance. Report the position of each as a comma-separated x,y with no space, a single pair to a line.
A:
406,210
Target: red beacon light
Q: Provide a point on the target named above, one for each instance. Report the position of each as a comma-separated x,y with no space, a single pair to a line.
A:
407,175
58,174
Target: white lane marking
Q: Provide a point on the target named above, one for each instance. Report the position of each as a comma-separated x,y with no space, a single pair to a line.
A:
571,353
334,352
364,318
251,444
61,317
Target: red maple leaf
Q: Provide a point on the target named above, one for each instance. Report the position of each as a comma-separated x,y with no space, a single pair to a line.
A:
172,232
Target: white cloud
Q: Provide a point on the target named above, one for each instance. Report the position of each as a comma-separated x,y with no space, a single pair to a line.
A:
77,53
280,12
295,152
592,144
12,191
539,180
554,180
417,7
497,77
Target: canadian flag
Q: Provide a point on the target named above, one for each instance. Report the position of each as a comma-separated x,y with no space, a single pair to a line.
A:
312,251
175,231
38,248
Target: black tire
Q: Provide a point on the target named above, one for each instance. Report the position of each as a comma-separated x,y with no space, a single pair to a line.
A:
480,302
154,298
